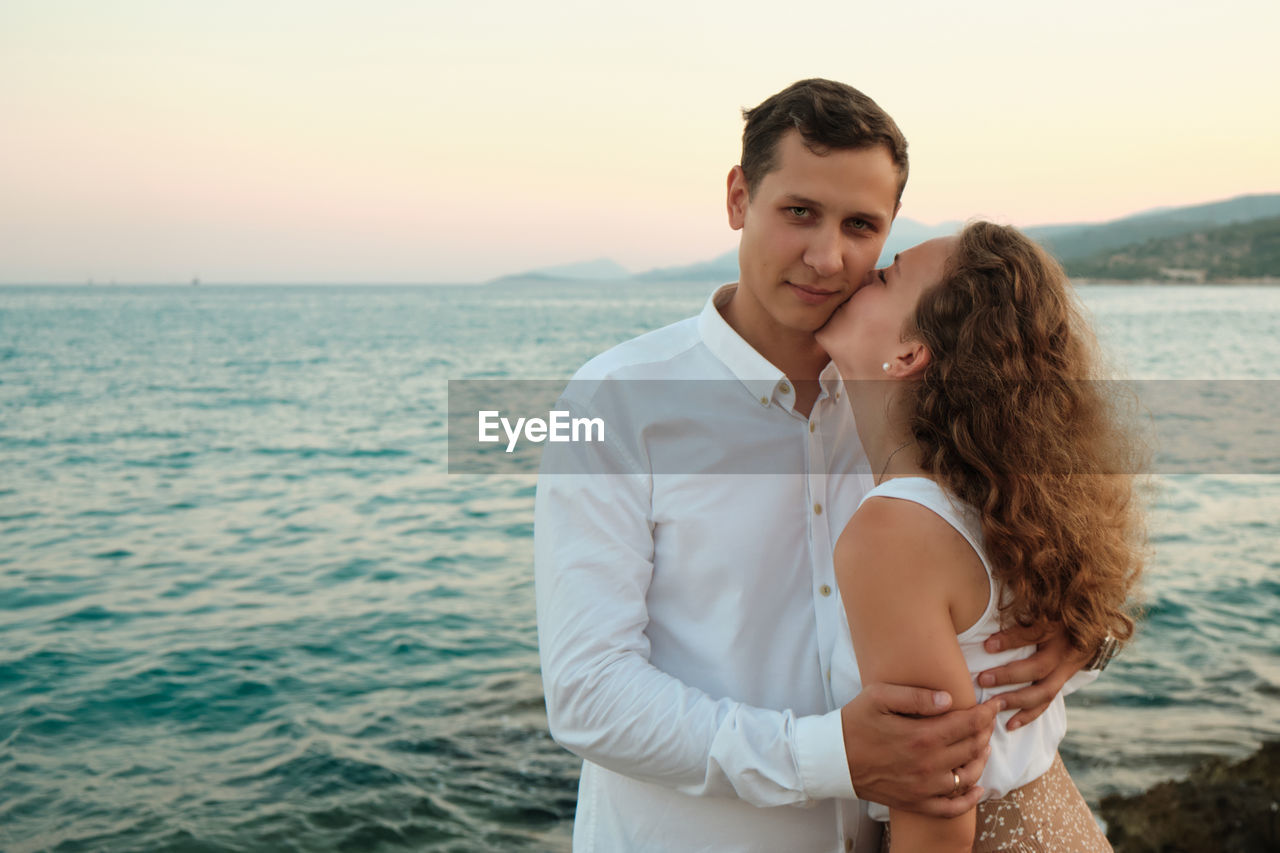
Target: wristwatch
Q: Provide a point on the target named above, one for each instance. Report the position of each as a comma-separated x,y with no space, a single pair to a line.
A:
1110,646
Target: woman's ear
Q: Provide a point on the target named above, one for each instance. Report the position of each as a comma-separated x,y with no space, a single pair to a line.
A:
911,364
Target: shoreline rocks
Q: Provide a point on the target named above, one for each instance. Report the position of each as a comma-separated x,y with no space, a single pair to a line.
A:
1221,806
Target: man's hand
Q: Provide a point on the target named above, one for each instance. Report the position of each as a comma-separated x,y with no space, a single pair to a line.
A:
904,746
1054,661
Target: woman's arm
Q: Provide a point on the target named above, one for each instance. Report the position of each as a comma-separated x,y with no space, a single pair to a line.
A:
908,579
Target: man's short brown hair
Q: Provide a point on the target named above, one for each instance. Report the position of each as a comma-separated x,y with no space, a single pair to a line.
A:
829,115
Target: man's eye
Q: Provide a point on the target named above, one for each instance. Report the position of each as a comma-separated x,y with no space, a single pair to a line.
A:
881,274
859,224
798,211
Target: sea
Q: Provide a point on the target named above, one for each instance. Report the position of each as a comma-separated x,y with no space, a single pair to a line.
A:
244,605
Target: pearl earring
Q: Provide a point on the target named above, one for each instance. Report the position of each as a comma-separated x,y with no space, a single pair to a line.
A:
885,367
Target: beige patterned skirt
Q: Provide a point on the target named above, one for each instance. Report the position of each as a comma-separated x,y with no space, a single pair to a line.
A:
1047,815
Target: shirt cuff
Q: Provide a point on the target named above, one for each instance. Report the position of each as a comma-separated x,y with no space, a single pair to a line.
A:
824,767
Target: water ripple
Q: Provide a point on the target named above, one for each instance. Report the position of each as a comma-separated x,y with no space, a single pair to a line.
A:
245,608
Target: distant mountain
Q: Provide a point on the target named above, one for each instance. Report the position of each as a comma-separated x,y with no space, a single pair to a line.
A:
720,268
1074,242
1243,250
907,233
600,269
1079,242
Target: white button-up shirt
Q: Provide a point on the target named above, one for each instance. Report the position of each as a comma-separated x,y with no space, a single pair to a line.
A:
686,606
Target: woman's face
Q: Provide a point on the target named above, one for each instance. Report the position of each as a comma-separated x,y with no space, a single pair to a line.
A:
866,331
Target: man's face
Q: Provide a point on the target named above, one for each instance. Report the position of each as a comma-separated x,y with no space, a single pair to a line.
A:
811,233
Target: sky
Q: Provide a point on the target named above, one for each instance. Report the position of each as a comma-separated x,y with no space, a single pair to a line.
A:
457,141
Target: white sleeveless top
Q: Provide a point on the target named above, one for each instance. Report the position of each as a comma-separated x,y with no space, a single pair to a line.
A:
1017,757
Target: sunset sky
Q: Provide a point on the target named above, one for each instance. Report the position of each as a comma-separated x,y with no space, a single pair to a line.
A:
439,142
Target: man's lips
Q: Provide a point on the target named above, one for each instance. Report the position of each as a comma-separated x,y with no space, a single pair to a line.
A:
812,295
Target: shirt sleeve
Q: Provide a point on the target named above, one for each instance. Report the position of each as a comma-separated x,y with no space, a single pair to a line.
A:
593,562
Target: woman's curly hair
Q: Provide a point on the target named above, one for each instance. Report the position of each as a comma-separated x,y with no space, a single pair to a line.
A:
1013,419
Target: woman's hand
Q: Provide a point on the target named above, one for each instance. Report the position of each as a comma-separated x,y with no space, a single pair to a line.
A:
1054,661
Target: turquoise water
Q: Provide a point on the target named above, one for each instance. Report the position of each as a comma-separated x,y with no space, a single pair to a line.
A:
243,607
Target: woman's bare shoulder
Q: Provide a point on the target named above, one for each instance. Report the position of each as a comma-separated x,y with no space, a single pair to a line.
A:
905,543
893,525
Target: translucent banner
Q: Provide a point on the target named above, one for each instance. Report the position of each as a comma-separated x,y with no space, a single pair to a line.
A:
655,427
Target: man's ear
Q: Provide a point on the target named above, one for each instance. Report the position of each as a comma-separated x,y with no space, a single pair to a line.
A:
737,198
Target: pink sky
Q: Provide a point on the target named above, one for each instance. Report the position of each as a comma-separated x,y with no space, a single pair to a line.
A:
292,141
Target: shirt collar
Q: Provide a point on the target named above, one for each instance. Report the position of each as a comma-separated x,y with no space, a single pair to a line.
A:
753,370
760,376
831,381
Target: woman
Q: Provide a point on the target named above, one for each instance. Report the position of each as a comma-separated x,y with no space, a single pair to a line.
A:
996,502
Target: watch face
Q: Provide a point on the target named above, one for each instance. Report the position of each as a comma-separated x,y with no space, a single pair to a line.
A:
1105,653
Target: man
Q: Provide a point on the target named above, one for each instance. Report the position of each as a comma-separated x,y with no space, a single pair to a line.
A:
685,587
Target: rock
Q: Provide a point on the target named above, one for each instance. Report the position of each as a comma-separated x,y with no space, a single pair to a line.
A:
1220,808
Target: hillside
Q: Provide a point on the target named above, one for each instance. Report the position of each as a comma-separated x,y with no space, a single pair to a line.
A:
1073,242
600,269
720,268
1242,251
1123,249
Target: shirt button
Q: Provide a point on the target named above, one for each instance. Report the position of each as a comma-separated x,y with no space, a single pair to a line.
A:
817,509
764,401
812,427
784,387
825,590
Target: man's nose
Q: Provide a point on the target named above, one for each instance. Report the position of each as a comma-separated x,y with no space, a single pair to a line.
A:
823,254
